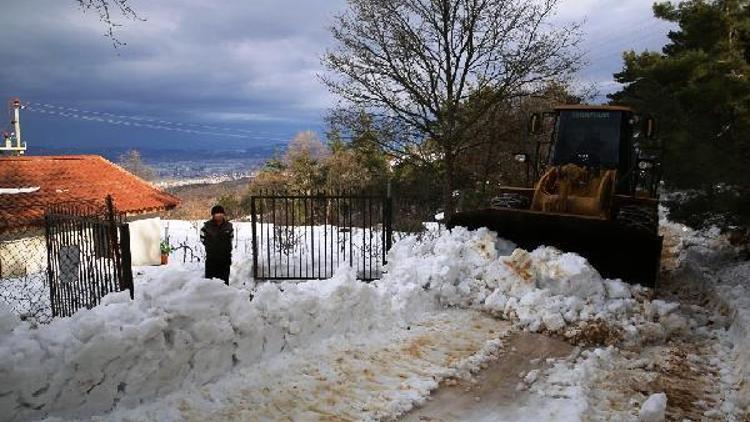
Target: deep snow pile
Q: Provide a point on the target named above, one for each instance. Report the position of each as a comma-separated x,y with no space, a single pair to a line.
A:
706,261
543,290
179,330
366,378
733,288
183,331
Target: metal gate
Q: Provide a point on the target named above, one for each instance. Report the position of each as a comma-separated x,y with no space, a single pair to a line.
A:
307,237
88,255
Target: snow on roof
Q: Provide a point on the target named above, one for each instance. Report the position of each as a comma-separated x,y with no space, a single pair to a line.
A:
16,191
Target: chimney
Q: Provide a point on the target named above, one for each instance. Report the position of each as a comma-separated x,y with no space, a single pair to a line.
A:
13,143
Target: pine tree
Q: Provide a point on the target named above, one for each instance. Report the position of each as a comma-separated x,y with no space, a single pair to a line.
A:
699,89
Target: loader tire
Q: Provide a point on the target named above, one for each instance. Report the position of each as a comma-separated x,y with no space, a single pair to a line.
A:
639,218
511,200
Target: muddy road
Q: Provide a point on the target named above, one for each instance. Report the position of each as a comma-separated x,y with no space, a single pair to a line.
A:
494,392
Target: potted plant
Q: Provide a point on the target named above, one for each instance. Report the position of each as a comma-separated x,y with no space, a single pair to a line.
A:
166,249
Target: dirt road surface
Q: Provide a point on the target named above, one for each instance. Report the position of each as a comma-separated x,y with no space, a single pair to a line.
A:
493,393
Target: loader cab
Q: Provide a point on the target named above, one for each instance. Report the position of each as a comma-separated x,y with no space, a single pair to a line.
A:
591,189
591,138
603,137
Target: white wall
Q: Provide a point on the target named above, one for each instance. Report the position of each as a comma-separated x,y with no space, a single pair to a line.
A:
145,236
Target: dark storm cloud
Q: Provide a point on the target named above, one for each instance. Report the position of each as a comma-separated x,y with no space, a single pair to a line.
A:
248,64
232,60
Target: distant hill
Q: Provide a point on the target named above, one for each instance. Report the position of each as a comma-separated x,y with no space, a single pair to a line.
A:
156,155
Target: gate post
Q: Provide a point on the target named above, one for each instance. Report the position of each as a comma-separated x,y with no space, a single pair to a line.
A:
254,219
50,263
388,222
127,270
113,244
312,234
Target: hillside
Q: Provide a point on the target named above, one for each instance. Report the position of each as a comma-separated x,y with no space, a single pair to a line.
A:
198,199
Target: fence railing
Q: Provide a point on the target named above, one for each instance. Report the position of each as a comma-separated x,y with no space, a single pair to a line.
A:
65,259
88,255
303,237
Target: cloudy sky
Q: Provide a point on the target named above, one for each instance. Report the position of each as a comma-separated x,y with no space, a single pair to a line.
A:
216,74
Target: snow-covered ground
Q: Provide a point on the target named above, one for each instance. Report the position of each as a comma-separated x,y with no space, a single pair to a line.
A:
193,349
287,250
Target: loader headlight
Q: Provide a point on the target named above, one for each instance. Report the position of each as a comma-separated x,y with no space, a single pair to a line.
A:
645,165
521,158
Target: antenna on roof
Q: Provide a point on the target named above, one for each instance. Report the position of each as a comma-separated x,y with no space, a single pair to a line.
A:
12,143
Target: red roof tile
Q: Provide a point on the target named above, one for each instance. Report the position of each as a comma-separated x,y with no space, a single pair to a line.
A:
73,178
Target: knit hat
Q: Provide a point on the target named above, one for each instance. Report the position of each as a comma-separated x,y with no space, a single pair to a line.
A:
217,209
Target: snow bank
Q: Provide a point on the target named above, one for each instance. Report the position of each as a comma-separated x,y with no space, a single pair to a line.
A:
694,248
734,290
8,319
706,261
376,376
180,329
544,290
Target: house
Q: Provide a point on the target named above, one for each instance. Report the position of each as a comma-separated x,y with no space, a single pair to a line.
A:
31,184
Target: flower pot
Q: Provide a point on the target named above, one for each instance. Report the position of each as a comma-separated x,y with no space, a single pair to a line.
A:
164,259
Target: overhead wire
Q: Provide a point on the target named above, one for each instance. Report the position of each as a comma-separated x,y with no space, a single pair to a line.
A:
150,123
147,119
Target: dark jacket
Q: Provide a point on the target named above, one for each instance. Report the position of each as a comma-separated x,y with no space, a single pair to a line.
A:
217,238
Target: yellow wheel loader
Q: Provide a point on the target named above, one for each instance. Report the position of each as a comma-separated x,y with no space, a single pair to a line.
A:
596,179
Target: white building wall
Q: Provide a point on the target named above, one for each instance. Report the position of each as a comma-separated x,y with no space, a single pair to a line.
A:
145,236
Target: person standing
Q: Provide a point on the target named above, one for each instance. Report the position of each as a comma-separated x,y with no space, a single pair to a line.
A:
216,235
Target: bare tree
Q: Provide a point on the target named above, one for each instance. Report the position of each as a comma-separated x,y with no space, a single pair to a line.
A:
306,146
106,9
304,160
132,161
417,61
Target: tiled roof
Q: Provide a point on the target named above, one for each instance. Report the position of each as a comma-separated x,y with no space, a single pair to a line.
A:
73,178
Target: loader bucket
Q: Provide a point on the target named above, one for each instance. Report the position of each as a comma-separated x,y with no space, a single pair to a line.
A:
615,251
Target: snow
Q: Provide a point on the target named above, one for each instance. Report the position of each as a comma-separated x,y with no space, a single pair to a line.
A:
8,320
709,263
16,191
180,329
654,408
733,288
292,256
543,290
193,348
356,378
560,392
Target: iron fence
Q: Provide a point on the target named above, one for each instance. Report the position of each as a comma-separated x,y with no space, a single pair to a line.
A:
62,260
304,237
88,255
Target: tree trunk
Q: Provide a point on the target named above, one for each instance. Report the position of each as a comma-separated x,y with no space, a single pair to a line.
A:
448,184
